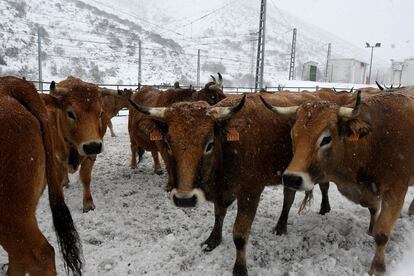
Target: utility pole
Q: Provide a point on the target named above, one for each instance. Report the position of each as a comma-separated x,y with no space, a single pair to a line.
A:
39,58
139,62
292,56
252,50
372,54
328,57
198,68
258,85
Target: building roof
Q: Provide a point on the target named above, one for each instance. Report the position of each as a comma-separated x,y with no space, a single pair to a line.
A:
348,59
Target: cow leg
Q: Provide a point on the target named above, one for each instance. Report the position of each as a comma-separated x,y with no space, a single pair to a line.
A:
134,149
141,152
373,217
411,208
111,128
157,164
325,206
220,210
288,198
34,256
246,211
392,202
85,176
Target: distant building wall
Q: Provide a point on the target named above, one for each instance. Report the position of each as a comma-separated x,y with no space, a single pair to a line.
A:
407,75
347,71
310,71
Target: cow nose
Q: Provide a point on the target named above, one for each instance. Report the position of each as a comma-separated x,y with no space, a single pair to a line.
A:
92,148
292,181
184,201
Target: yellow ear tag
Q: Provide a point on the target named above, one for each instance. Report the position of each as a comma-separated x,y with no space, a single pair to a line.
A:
155,135
233,134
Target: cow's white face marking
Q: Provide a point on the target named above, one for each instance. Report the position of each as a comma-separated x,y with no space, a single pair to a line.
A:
198,193
325,139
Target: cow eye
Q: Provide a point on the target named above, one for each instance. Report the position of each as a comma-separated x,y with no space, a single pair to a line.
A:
326,140
100,114
71,115
209,147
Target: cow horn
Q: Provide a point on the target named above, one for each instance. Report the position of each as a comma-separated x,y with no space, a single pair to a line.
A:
334,89
107,92
379,86
57,90
220,80
214,79
352,89
223,113
156,112
289,110
348,112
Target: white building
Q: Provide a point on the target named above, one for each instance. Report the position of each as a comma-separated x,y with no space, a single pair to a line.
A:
347,70
407,74
310,71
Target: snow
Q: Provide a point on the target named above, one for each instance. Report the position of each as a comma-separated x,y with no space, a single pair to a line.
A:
135,230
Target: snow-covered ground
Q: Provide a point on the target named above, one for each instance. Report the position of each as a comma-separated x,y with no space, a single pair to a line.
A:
135,230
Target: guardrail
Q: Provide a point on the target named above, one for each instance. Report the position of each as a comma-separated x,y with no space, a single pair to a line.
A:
44,87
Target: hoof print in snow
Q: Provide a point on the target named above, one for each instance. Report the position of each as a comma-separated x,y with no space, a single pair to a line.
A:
106,267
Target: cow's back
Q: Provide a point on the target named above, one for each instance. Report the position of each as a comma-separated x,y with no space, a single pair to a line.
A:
22,156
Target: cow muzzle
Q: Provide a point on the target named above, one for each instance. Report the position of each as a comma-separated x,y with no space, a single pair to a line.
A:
187,199
297,181
90,148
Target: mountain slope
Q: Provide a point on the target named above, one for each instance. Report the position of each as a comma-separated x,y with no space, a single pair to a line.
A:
98,40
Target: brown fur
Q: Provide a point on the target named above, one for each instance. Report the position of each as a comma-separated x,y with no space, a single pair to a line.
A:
26,161
140,126
85,101
371,157
233,169
111,105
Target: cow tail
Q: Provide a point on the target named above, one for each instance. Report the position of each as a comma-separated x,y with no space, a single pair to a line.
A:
141,152
67,236
306,202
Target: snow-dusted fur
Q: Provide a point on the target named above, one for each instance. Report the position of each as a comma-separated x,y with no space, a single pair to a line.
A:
136,230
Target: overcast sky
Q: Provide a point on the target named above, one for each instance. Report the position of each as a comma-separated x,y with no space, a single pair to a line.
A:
390,22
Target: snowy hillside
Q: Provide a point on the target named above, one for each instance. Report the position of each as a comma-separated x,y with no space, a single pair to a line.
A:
136,230
98,40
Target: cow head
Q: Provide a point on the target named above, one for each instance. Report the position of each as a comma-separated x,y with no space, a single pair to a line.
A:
80,107
211,92
193,134
319,135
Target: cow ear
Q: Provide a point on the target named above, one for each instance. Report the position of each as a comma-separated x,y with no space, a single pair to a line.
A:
354,129
53,101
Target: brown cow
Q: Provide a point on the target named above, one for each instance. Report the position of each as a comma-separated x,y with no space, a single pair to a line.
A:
207,166
26,161
111,105
140,126
366,150
75,110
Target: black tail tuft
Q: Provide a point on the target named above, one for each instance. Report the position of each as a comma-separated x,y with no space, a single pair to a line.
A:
141,152
68,239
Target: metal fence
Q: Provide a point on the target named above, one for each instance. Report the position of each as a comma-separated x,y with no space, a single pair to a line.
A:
44,87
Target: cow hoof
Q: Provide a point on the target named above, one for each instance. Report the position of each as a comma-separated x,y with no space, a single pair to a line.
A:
113,135
210,244
159,172
88,207
239,270
323,211
377,269
280,230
